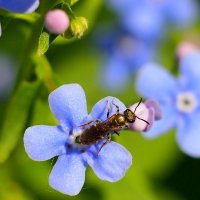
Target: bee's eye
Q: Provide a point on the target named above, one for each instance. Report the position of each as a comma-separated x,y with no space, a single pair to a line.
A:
130,116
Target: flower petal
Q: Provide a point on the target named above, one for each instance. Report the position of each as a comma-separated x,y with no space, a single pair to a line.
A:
144,22
188,136
115,74
44,142
151,119
150,103
68,103
68,174
186,15
111,163
154,82
190,73
19,6
169,116
100,109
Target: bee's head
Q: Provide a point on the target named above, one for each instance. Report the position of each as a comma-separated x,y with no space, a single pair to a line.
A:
130,116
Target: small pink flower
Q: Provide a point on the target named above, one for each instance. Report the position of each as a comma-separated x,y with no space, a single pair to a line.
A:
145,112
57,21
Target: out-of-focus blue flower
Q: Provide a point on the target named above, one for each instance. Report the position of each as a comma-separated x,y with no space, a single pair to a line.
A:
181,13
120,6
68,104
179,99
148,19
19,6
124,56
7,75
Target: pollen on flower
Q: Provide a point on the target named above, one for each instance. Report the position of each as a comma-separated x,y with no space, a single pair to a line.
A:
186,102
74,136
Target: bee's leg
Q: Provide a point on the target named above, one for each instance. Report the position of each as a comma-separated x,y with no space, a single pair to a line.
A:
89,122
108,139
108,107
116,107
117,133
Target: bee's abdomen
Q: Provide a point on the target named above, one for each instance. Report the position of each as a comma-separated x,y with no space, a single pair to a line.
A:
93,134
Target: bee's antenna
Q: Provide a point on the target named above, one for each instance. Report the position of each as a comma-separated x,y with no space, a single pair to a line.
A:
138,105
137,116
143,120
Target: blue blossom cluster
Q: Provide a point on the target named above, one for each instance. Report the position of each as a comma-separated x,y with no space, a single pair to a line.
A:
142,25
123,56
149,19
179,100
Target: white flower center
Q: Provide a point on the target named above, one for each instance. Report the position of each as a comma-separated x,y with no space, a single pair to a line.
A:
186,102
74,135
74,144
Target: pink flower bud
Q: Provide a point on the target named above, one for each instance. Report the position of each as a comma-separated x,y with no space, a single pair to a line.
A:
57,21
155,105
185,48
142,112
145,113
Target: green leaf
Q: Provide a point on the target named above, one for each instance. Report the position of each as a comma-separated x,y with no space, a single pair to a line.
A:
44,72
9,188
43,69
72,2
30,18
16,117
43,43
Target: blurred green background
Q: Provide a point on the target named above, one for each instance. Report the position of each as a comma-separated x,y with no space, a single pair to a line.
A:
159,171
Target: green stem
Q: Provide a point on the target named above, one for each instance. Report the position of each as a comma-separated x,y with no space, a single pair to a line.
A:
26,66
44,72
67,8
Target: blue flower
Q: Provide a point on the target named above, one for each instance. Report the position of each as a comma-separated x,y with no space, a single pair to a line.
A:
124,56
147,20
19,6
68,104
179,99
186,15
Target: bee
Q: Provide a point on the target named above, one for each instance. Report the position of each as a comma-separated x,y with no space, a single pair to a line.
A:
104,129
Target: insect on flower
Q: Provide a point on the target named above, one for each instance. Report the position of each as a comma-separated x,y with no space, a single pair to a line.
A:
103,130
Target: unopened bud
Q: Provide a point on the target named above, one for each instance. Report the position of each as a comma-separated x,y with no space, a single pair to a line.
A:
146,113
78,26
57,21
